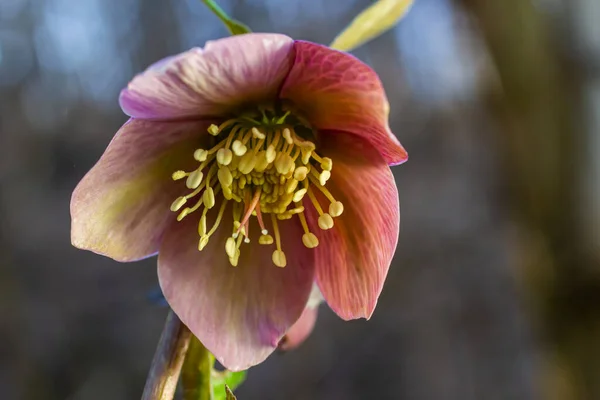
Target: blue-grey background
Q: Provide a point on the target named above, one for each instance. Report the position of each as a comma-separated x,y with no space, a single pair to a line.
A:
491,99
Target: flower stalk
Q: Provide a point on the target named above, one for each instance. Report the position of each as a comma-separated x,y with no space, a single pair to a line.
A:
168,360
197,371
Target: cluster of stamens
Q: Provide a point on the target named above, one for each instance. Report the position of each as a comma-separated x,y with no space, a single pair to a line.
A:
261,167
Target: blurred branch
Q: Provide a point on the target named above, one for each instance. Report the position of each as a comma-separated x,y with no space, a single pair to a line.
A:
538,106
168,360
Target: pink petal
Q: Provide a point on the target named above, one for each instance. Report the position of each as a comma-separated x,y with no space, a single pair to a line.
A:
239,313
335,90
121,207
353,258
300,330
227,74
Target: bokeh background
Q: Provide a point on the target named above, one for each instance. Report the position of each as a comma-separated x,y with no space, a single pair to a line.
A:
494,292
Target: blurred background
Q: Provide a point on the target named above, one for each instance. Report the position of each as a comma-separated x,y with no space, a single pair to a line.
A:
494,292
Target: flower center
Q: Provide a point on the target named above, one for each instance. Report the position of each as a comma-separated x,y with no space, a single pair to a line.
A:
262,166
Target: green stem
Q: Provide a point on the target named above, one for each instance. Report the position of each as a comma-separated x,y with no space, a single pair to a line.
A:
234,26
196,374
167,361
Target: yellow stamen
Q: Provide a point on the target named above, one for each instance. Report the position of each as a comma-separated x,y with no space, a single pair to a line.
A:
177,175
300,173
258,134
230,247
325,221
225,177
279,258
218,220
213,129
178,203
278,255
310,240
336,209
299,195
314,200
262,169
194,179
239,149
224,156
200,155
208,197
265,239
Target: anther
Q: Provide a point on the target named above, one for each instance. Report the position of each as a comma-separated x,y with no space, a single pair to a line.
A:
326,163
178,203
291,185
324,177
264,232
279,258
200,155
247,163
184,213
299,195
271,154
325,221
310,240
208,197
246,239
258,134
239,148
177,175
300,173
306,157
225,177
224,156
230,247
194,179
234,260
261,161
265,239
203,242
284,163
287,135
213,129
202,225
336,209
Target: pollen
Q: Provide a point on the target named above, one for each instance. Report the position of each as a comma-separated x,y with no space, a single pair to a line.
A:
264,169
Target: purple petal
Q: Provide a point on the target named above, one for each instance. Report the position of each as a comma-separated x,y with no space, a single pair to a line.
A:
337,91
228,74
354,256
239,313
121,207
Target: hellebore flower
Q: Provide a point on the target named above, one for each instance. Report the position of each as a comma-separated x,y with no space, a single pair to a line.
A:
253,167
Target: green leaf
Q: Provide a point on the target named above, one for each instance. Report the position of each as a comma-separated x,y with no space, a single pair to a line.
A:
234,26
223,379
229,394
370,23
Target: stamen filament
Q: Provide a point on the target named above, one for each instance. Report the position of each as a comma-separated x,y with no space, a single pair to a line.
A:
314,200
218,220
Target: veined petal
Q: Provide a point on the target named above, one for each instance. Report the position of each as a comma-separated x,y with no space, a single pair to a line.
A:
121,207
305,324
300,331
354,256
239,313
335,90
226,75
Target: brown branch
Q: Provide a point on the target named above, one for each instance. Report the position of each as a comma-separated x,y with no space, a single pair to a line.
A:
168,360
